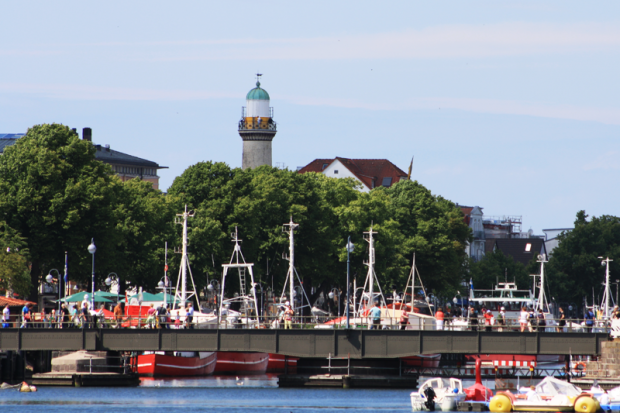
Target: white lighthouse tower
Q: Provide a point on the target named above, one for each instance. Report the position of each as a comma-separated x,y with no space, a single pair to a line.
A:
257,128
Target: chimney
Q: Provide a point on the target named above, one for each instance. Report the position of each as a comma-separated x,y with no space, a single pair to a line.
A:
87,134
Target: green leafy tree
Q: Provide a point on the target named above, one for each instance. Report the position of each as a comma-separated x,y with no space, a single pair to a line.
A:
574,270
13,261
144,222
496,266
54,192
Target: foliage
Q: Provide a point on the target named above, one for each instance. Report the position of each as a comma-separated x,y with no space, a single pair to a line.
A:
574,270
13,261
497,266
407,218
58,196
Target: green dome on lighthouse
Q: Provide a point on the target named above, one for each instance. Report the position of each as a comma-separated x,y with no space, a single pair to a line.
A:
257,93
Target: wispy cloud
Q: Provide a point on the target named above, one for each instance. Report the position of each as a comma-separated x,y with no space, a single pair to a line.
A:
448,41
606,161
504,39
81,92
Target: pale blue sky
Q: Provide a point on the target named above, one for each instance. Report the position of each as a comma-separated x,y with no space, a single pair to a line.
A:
512,106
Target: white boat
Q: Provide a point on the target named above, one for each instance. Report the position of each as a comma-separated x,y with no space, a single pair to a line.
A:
550,395
447,393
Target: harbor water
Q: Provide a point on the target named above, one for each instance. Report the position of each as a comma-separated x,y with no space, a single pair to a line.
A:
207,394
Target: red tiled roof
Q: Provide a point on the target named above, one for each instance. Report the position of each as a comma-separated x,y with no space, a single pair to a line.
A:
13,302
366,170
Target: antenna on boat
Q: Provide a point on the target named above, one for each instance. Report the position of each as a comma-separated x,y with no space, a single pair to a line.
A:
237,260
184,295
371,277
292,271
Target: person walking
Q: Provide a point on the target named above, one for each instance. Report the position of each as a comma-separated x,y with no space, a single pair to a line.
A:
523,319
64,317
488,320
542,323
439,318
532,321
85,316
6,317
118,315
150,316
375,315
404,318
288,316
589,320
190,316
501,319
26,315
561,321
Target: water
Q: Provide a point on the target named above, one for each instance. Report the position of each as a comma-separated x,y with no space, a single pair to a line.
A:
208,394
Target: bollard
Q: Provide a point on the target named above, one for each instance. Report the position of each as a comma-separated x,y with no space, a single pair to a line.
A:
346,382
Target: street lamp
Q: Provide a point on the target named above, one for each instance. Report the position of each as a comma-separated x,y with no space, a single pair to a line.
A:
50,280
350,248
617,282
112,278
92,249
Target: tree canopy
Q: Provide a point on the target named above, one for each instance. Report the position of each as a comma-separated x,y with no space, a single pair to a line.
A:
574,270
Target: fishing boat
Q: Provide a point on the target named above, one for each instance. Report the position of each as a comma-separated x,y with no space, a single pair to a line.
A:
245,316
175,363
279,363
241,363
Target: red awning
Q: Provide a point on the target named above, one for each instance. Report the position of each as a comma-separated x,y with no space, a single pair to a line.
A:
14,302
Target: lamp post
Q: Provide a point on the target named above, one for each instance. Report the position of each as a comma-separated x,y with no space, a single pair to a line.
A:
617,282
350,248
92,249
112,278
50,280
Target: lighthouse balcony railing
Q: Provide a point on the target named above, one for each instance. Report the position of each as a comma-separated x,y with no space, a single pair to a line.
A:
254,125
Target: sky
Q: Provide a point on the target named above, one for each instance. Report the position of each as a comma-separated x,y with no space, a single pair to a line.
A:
511,106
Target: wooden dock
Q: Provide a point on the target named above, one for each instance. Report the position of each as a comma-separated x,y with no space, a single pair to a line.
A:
348,381
73,379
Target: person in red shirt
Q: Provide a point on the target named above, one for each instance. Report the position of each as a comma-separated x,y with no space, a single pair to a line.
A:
488,317
439,316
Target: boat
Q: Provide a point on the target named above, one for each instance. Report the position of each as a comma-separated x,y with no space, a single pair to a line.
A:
245,315
242,363
175,363
442,392
279,363
550,395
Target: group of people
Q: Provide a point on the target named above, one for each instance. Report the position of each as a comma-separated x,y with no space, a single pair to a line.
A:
80,316
285,315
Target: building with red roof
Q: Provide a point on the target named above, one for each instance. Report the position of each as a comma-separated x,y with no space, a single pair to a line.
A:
371,173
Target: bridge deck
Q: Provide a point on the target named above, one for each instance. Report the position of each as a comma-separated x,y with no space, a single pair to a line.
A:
306,343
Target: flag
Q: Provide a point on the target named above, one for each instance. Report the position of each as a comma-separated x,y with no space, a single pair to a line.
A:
410,167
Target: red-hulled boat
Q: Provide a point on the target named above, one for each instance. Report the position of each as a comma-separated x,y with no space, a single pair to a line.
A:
279,364
241,363
177,363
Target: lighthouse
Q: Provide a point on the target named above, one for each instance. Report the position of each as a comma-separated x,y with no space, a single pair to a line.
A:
257,128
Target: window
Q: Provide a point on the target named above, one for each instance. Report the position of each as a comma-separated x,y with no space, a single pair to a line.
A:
387,181
324,165
528,247
335,171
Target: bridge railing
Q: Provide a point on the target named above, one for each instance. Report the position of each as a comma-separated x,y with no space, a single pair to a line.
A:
212,321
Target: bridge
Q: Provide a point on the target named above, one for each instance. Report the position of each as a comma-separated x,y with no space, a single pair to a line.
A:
359,344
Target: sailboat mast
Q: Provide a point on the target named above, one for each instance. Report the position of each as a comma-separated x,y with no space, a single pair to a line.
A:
291,262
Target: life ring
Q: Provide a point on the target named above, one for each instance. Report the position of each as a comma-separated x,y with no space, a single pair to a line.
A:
582,364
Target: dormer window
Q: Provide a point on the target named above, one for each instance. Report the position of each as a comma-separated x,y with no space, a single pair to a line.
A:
387,181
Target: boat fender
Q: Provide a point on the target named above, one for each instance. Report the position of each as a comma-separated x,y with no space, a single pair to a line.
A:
501,402
586,404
